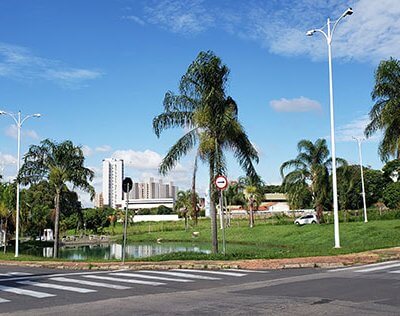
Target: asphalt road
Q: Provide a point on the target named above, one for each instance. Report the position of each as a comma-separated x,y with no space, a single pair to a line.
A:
362,290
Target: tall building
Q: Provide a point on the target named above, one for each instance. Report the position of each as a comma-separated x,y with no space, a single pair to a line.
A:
113,174
153,190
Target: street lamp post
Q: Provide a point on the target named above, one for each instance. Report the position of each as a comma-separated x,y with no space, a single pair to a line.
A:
359,140
18,121
328,37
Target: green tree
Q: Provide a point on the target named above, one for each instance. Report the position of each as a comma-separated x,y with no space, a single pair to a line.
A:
310,170
385,113
60,164
391,195
211,119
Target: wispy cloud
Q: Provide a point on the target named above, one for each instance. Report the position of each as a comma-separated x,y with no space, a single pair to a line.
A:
134,18
301,104
20,63
87,151
180,16
103,149
6,159
12,131
354,128
372,33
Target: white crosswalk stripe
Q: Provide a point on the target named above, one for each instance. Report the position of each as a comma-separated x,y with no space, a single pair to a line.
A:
15,274
91,283
364,266
182,275
17,290
153,277
246,271
57,287
235,274
123,280
379,268
2,300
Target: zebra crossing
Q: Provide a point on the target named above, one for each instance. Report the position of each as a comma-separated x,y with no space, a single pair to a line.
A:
21,284
380,267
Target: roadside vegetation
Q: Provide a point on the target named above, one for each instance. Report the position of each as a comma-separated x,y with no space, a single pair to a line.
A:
51,172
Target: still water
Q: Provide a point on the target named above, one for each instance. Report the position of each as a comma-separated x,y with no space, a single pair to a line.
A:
114,250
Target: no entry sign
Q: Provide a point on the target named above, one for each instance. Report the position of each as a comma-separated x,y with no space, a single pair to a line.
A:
221,182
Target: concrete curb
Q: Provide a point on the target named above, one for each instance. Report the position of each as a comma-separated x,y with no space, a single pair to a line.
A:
324,262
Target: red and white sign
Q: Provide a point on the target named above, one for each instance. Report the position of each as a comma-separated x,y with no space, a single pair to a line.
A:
221,182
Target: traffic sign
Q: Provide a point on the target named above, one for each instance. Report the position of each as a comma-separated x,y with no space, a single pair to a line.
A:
127,185
221,182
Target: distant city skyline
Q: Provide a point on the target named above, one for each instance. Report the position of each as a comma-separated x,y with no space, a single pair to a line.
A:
97,71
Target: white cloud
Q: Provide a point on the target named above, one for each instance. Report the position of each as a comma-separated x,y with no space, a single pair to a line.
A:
20,63
71,75
135,19
371,34
182,16
143,160
87,151
354,128
103,148
12,131
6,159
301,104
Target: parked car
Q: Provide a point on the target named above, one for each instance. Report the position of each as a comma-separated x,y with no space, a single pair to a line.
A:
307,219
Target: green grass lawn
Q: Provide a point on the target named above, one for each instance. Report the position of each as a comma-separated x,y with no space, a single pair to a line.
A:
267,239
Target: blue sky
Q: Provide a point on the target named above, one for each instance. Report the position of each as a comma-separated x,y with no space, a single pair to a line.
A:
98,70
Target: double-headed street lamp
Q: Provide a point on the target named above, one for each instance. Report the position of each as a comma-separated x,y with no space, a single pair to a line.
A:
18,121
328,37
359,140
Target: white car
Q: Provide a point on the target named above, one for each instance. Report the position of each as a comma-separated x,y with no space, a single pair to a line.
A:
307,219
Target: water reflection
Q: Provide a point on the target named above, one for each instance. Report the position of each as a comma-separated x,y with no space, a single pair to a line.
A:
114,251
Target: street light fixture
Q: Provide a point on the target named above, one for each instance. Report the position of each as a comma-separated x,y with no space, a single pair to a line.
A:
328,37
18,121
359,140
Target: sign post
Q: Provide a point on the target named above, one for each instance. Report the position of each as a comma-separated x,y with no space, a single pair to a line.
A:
221,182
127,185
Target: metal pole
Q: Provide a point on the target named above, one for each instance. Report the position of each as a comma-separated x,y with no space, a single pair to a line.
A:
125,224
334,180
362,181
222,221
18,166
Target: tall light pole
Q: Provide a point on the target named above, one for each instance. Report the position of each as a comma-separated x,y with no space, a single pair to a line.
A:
18,121
328,37
359,140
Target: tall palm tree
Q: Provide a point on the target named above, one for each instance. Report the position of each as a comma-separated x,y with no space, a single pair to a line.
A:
211,119
60,164
310,170
385,114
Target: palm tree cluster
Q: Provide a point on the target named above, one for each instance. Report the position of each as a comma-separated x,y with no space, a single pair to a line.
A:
211,120
385,114
308,178
59,164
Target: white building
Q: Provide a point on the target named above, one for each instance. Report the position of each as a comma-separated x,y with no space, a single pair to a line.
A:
153,190
152,194
113,174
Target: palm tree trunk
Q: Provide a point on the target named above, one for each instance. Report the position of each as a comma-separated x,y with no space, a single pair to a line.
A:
213,213
194,200
56,223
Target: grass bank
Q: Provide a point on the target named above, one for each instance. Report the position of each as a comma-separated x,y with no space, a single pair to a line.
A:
268,239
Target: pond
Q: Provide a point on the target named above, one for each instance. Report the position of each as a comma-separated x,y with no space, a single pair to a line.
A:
114,250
